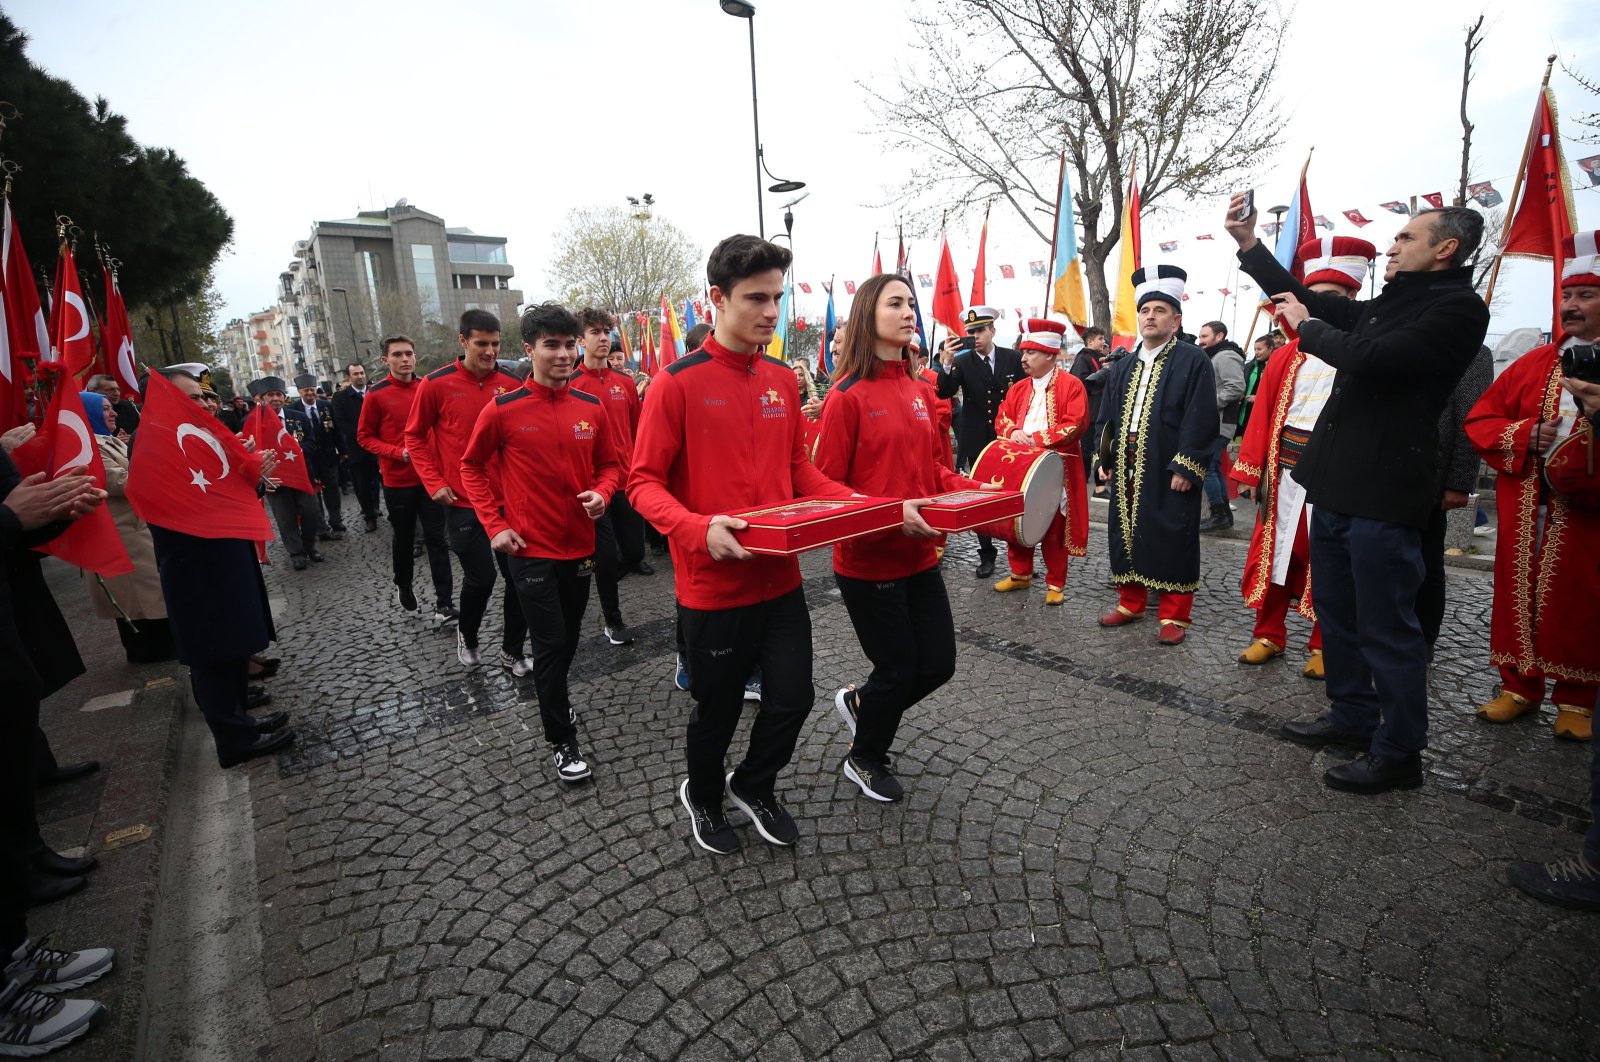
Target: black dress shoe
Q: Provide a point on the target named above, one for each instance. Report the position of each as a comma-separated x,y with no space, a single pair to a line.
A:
985,568
1376,774
48,861
316,558
371,523
1319,732
69,772
255,699
644,567
268,669
47,888
299,563
264,745
266,724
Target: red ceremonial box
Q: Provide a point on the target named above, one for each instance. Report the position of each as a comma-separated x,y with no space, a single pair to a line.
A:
810,523
963,510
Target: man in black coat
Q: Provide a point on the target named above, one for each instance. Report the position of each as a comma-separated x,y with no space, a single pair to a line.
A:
981,375
322,448
1089,360
1372,472
296,512
346,405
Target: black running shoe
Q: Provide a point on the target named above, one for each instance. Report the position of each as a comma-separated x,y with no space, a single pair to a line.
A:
873,778
406,599
767,815
618,633
710,825
570,764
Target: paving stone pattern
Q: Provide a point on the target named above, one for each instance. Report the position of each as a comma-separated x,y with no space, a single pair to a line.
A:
1105,852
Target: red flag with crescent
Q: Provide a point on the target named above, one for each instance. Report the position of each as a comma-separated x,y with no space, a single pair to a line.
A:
270,433
190,474
117,338
64,442
71,340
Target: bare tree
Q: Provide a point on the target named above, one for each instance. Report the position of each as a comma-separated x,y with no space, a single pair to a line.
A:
1474,41
610,259
1590,121
1183,86
400,312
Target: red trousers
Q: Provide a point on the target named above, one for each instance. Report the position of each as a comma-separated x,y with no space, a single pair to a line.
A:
1174,608
1274,606
1576,694
1055,555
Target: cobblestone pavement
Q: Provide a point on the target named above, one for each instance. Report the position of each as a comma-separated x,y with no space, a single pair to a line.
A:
1105,852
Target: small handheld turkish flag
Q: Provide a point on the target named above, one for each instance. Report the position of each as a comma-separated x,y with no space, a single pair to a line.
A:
188,473
270,433
65,443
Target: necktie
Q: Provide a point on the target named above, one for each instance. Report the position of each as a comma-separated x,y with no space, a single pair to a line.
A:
311,420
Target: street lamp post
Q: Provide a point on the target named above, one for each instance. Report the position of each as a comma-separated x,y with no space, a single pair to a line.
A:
355,345
746,10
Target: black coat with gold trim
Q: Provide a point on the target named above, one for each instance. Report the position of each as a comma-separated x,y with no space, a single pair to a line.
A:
1154,531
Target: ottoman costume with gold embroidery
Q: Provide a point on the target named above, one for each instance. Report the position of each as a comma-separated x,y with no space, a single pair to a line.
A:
1052,411
1294,388
1158,419
1545,577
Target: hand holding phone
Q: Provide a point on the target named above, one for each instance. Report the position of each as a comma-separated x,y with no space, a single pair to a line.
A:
1247,207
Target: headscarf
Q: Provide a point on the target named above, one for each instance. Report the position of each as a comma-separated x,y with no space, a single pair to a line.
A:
96,409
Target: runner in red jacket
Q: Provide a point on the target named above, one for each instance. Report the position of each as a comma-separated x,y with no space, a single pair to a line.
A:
540,468
881,436
442,418
381,432
720,433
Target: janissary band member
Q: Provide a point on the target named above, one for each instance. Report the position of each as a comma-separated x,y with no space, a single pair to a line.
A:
540,469
1049,409
1546,581
1161,407
1293,390
879,437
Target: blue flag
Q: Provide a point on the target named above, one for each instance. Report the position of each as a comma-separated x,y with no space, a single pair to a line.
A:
827,335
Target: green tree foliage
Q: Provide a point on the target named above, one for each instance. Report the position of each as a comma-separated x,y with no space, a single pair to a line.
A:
77,159
613,261
194,322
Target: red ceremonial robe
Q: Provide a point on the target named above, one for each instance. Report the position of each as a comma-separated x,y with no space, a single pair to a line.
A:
1068,413
1544,591
1258,453
943,409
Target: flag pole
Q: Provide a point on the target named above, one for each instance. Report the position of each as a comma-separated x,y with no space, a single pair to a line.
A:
1516,192
1050,266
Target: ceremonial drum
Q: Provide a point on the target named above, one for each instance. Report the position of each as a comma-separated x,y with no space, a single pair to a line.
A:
1038,474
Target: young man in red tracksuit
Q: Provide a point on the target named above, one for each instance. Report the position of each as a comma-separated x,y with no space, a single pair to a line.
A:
381,432
721,432
442,418
619,534
540,468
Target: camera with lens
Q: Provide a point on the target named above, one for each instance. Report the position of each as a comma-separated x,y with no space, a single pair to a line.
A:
1581,362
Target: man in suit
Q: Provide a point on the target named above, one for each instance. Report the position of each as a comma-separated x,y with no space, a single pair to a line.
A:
1373,475
296,512
981,375
321,444
346,405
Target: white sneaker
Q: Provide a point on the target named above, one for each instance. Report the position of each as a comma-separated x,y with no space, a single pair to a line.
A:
468,657
844,702
570,764
517,665
44,969
33,1023
1483,529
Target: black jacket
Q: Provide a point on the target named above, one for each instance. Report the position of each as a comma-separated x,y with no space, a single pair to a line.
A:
322,445
1461,463
1375,450
981,394
37,654
346,405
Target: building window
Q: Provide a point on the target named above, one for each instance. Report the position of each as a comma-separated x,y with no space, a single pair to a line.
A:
427,280
369,260
463,251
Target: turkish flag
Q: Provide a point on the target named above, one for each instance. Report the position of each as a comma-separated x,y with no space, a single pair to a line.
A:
13,399
30,335
270,433
70,340
117,339
1357,218
190,474
947,307
850,285
1434,199
1544,216
1008,272
66,442
980,271
805,287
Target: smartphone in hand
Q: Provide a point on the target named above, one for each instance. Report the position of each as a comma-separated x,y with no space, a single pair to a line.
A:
1246,208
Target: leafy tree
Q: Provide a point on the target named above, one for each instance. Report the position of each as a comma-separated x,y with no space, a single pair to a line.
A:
609,259
78,159
184,330
1003,86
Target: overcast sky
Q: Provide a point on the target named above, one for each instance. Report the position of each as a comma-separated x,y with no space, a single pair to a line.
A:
502,116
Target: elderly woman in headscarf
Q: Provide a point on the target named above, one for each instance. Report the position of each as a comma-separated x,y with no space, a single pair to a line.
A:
133,600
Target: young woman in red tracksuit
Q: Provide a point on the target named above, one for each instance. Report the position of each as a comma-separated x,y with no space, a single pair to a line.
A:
540,469
880,435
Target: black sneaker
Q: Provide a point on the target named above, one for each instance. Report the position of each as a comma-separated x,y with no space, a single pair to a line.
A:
570,765
445,613
1571,882
33,1023
405,598
766,815
618,633
710,825
873,778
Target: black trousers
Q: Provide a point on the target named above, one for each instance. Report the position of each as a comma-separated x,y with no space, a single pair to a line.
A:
723,646
219,690
607,567
906,631
364,474
408,505
553,595
968,446
1430,595
298,518
629,528
19,824
150,643
478,562
327,472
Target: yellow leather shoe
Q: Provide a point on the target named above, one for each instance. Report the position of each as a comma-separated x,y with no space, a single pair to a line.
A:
1014,582
1260,652
1574,723
1053,596
1505,707
1314,669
